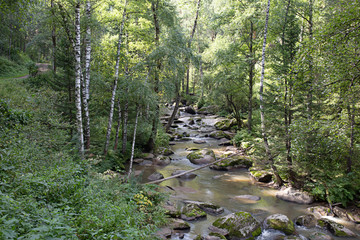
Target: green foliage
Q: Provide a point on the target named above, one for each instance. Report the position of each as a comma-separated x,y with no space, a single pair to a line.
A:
201,103
9,68
162,139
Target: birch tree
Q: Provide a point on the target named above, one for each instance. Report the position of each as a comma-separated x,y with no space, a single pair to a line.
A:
78,78
133,143
112,102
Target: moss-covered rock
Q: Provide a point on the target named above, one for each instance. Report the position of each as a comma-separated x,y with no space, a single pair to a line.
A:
207,207
320,236
191,212
165,151
225,124
215,236
233,162
219,135
179,224
202,156
308,221
281,223
264,176
336,229
320,211
240,225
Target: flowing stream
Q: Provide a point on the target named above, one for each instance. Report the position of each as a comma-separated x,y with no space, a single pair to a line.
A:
220,187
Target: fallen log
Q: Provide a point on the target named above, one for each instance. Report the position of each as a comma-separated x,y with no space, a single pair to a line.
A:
192,170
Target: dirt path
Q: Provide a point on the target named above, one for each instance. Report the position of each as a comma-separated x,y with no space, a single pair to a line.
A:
42,67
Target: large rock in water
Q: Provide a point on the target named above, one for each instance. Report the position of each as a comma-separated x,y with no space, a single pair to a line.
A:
335,228
281,223
239,225
155,176
185,176
207,207
320,211
233,162
261,175
308,221
202,156
293,195
219,135
190,110
191,212
320,236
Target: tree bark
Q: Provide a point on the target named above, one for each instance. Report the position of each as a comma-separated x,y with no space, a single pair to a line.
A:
133,143
310,62
124,129
88,49
78,79
111,113
151,142
251,76
176,108
270,157
189,45
118,126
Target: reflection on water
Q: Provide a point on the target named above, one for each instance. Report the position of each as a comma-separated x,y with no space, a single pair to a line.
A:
221,187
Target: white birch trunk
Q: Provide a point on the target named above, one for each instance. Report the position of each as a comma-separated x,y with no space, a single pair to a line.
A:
118,126
133,143
263,128
78,79
115,82
88,50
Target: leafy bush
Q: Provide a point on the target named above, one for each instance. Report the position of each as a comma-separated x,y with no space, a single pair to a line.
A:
162,139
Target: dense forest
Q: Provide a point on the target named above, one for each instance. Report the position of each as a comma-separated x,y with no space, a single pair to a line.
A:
85,84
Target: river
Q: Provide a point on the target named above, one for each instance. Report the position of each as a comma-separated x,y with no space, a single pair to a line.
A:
220,187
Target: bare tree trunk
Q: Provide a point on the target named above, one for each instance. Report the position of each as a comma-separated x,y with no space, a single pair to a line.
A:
310,88
78,79
270,157
189,45
176,108
53,35
124,130
133,143
111,113
118,126
201,79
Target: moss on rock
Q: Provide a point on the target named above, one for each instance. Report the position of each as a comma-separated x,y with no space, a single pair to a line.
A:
280,222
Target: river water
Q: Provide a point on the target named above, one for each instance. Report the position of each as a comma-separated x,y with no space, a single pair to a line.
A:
220,187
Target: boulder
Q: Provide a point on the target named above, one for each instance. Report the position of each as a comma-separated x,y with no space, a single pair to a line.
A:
155,176
261,175
308,221
191,121
190,109
336,229
320,236
177,121
320,211
138,160
219,135
179,224
164,233
293,195
225,124
202,156
281,223
161,161
191,212
199,141
148,156
171,209
224,142
165,151
185,176
350,214
207,207
192,149
215,236
239,225
237,161
146,163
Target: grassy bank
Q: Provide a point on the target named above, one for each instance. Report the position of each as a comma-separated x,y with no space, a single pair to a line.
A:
47,191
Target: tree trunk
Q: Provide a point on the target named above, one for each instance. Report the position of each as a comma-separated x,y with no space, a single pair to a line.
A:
270,157
88,49
133,143
351,113
251,77
124,130
78,79
310,62
176,108
118,127
189,45
151,142
111,113
53,35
